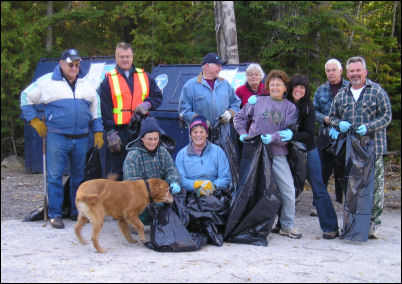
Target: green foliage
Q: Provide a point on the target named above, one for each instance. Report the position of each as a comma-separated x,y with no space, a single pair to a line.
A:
296,36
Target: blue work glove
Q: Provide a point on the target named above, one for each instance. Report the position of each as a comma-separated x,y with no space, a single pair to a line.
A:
175,188
361,130
252,100
286,134
160,204
266,139
333,133
344,126
241,138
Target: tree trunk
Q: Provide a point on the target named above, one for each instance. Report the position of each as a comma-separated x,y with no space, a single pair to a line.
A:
353,31
396,3
49,36
226,33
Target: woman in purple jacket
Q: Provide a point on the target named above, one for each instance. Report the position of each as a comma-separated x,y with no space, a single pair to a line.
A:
271,118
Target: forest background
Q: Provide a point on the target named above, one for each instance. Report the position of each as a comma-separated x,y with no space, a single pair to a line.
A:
295,36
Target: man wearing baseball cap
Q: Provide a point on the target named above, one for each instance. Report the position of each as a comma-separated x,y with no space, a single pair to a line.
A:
209,95
72,109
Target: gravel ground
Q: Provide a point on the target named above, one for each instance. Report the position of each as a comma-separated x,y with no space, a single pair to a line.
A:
35,252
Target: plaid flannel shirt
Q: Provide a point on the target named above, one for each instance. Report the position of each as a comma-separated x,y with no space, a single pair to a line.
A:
140,164
373,109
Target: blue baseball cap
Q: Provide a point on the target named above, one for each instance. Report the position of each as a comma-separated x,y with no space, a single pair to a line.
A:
213,58
70,55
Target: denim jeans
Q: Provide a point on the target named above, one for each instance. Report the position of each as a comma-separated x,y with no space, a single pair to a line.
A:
322,201
284,181
59,151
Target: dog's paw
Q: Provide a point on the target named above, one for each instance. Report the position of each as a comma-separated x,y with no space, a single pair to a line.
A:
101,250
132,241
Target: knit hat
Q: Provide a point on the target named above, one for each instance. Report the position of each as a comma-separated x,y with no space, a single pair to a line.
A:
199,121
149,125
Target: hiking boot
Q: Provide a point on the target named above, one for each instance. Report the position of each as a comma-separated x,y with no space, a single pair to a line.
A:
291,233
373,233
330,235
313,212
57,223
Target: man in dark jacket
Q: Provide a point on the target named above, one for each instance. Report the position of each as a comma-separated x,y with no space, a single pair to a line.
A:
123,92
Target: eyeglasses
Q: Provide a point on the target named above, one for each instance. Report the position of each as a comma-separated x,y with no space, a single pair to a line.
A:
71,65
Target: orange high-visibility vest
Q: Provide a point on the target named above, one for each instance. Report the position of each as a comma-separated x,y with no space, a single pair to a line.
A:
124,102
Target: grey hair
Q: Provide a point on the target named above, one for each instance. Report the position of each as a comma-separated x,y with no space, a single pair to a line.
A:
123,45
333,60
356,59
255,66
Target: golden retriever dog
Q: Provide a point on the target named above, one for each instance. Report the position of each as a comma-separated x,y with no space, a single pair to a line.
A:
123,200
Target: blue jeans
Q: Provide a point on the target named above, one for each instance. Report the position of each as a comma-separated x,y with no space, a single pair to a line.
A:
284,181
59,151
322,201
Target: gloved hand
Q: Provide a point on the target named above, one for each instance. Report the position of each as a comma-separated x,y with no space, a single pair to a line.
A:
241,138
361,130
175,188
225,117
286,134
252,100
266,139
143,108
39,126
333,133
160,204
98,139
113,141
344,126
204,187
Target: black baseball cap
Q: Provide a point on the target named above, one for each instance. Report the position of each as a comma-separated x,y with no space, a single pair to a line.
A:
213,58
70,55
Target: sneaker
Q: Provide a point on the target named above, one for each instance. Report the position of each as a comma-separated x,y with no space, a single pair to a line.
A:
373,233
291,233
330,235
57,223
313,212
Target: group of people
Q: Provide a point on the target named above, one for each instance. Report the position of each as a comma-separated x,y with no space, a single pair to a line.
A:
278,110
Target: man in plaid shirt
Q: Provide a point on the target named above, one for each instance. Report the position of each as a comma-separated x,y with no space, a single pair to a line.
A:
365,106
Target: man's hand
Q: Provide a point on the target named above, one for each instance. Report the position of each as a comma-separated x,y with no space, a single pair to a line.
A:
344,126
333,133
143,108
361,130
39,126
98,139
225,117
113,141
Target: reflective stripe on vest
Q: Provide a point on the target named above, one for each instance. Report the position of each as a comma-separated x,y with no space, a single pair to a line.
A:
124,102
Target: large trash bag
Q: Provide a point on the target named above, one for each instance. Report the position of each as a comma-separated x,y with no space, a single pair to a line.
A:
168,231
359,163
134,126
297,159
93,170
208,214
337,149
227,139
256,202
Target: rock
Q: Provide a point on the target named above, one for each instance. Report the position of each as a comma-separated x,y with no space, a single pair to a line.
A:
13,162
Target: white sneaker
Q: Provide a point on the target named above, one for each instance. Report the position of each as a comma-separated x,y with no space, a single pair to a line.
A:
373,232
291,233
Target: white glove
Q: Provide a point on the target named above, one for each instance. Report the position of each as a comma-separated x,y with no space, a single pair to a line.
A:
225,117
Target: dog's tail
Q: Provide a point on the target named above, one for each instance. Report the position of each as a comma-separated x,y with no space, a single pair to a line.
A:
90,199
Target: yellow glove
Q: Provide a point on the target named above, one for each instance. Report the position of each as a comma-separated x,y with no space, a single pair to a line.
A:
197,184
39,126
98,139
204,187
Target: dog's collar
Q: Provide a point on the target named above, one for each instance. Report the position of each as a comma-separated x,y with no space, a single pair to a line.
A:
149,192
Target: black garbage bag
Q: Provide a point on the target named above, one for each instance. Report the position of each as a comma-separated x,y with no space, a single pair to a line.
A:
168,231
93,170
256,202
297,159
168,142
227,139
359,163
208,214
134,126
